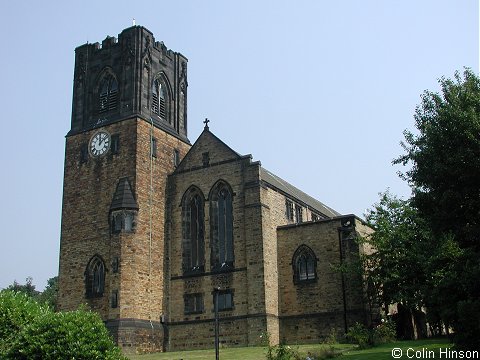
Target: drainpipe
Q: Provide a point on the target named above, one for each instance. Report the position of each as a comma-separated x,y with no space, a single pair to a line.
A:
342,257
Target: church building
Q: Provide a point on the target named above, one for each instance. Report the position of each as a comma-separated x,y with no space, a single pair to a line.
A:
155,230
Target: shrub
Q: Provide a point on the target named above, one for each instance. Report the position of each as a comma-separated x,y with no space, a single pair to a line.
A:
384,333
282,352
328,351
264,339
17,310
324,353
358,334
65,335
29,330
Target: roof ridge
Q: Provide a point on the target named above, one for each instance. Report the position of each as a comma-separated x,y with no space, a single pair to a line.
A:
293,191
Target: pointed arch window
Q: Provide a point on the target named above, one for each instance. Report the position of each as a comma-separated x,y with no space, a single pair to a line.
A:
108,94
193,252
221,227
159,102
304,265
95,277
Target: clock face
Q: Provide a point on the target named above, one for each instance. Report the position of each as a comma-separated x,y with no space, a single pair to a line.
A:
100,143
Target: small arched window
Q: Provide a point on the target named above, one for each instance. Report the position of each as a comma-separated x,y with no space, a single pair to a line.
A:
193,252
221,227
108,94
95,277
304,264
159,101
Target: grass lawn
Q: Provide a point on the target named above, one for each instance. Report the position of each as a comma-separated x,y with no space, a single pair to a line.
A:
240,353
385,351
349,352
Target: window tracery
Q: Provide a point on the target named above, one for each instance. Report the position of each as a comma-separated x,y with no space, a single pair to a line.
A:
193,231
95,277
304,265
221,227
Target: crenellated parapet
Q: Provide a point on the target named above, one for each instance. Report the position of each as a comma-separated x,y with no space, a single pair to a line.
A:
133,75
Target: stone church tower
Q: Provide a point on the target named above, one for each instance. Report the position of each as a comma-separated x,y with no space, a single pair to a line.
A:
128,132
158,233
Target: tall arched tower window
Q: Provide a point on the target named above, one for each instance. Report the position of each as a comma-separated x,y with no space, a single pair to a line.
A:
95,277
221,227
108,94
159,99
304,264
193,242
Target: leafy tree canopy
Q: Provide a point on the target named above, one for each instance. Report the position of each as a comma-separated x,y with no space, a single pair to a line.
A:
48,296
444,154
396,270
445,158
28,288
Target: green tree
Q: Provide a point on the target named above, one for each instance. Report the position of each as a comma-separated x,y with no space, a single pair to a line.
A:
397,266
396,270
28,288
49,295
444,159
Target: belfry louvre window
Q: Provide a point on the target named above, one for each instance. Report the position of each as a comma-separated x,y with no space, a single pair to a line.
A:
221,227
158,100
95,277
193,249
108,95
304,265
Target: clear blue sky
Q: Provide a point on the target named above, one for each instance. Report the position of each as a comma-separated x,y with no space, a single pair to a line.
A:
319,91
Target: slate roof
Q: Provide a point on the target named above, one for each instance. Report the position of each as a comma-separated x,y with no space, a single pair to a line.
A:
270,179
296,194
123,197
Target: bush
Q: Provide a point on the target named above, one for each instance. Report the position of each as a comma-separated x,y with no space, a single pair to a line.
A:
264,339
17,310
384,333
282,352
65,335
329,351
29,330
325,353
358,334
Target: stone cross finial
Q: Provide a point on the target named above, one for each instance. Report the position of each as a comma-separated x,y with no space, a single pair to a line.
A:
206,121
